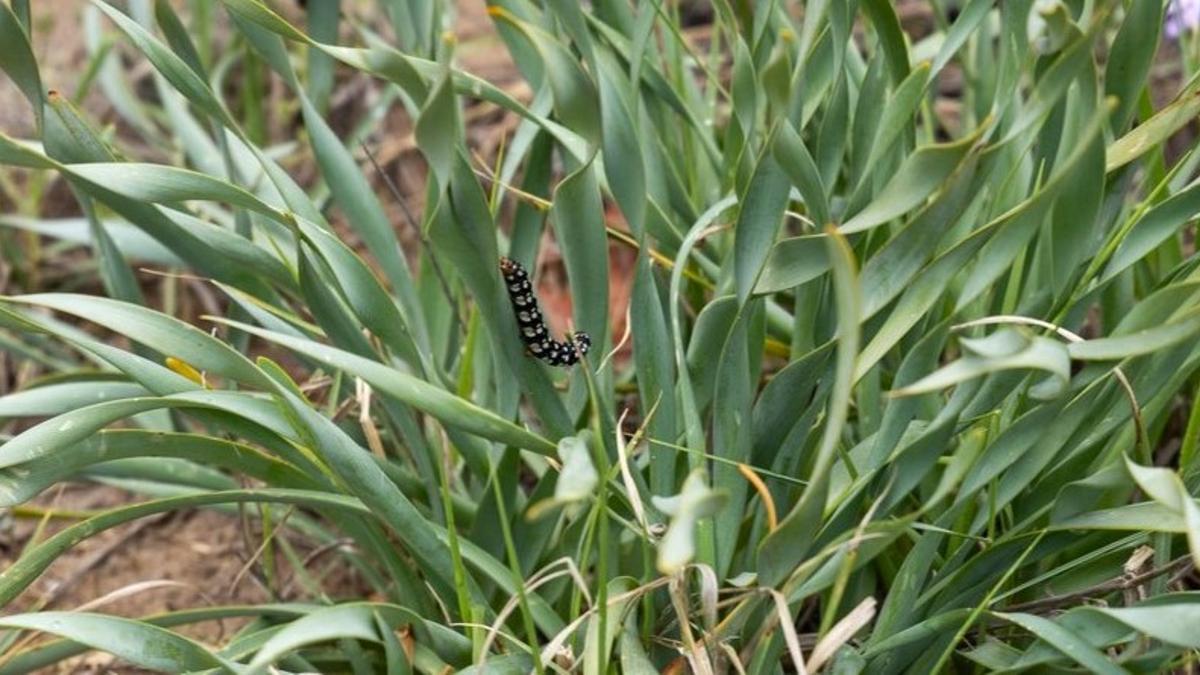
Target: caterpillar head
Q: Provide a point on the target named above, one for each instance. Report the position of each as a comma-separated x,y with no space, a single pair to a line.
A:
582,342
508,266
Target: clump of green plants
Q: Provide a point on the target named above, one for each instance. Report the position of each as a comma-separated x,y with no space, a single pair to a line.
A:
909,382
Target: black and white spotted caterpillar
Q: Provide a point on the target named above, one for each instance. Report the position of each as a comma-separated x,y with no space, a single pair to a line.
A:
534,332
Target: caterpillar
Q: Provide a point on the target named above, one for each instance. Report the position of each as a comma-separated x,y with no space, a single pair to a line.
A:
534,332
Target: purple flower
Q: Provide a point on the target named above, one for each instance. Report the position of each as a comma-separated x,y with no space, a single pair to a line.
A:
1183,16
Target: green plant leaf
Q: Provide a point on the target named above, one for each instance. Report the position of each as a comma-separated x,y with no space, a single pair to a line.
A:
1064,640
758,222
793,261
695,500
791,155
784,548
438,129
578,476
920,174
411,390
1131,57
18,62
1005,349
1153,132
55,399
139,643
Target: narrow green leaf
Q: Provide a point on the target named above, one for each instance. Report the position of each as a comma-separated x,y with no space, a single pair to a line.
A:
696,500
793,261
652,354
258,13
887,26
1054,82
758,222
162,184
1064,640
1141,342
575,98
1153,132
18,153
421,395
364,293
1171,623
1130,58
791,155
578,217
54,399
969,18
1154,227
167,335
438,129
890,271
1140,517
624,166
172,67
18,62
134,641
737,370
1018,225
177,36
894,119
785,547
323,21
921,173
324,625
578,476
1008,448
1034,353
23,481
